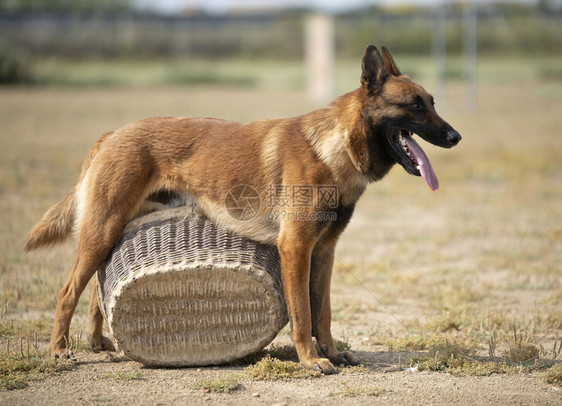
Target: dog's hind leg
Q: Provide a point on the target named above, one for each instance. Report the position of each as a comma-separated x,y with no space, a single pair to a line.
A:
98,342
93,247
320,278
107,203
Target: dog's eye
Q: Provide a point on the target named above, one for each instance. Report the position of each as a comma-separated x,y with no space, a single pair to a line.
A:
416,106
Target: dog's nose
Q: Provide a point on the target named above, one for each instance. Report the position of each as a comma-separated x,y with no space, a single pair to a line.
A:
453,137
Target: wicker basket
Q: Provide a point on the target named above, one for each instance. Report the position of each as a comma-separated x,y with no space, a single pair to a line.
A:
179,291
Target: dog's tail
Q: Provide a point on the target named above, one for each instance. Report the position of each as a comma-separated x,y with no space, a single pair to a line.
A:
58,222
55,225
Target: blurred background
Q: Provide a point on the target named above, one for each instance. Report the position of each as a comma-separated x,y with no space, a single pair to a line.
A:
482,254
235,42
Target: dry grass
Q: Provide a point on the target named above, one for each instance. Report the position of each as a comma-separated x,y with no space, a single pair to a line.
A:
466,263
272,369
28,328
219,385
17,369
554,375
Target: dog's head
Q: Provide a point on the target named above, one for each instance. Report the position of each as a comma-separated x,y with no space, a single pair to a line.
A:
396,109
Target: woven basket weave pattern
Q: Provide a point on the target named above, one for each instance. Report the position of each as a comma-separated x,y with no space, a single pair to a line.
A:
177,290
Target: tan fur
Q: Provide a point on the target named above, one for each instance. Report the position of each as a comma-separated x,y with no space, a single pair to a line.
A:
343,146
60,220
56,224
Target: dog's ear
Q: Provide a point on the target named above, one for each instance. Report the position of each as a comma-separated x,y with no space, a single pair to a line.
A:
389,63
374,73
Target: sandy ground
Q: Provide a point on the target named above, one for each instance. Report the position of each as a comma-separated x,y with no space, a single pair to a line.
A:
87,385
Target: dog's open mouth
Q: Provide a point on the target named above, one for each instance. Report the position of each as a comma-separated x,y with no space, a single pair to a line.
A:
413,158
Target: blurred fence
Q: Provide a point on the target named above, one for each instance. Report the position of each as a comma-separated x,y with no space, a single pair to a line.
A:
127,35
271,35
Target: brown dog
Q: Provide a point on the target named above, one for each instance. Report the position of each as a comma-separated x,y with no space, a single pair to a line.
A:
293,182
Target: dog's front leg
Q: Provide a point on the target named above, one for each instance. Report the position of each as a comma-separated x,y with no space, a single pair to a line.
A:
320,278
295,248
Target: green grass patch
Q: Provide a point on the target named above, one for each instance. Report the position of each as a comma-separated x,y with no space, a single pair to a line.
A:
16,370
554,375
220,385
457,359
444,355
463,366
457,356
272,369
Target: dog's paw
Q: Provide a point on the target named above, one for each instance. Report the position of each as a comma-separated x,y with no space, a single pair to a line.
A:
344,358
61,353
320,364
101,344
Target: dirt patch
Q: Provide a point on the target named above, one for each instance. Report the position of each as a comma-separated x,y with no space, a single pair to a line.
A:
100,379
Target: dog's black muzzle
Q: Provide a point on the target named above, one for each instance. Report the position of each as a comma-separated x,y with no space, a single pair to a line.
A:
439,133
453,137
447,137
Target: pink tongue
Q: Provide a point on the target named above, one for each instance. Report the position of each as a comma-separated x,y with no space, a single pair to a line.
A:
426,169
